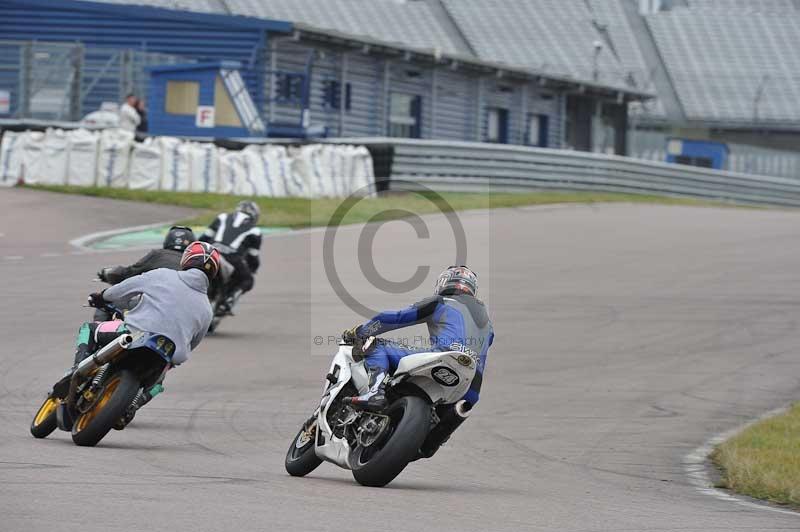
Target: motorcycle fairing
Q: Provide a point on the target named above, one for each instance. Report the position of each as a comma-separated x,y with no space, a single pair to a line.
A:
158,343
444,376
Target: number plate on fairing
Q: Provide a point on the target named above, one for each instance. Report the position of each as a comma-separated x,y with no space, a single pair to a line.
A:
157,343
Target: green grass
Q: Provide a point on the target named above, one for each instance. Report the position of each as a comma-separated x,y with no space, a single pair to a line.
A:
301,212
763,461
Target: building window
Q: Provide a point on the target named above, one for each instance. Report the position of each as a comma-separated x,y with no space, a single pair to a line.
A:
225,113
332,94
537,130
497,125
289,87
405,115
182,97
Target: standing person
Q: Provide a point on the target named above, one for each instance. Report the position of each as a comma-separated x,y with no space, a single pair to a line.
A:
238,238
129,118
142,110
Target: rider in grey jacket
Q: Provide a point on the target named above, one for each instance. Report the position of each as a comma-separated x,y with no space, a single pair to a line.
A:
171,303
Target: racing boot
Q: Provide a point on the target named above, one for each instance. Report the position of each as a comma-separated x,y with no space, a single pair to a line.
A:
375,399
81,353
144,397
230,301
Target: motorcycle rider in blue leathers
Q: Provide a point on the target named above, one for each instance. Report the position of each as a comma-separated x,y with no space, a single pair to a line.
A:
457,321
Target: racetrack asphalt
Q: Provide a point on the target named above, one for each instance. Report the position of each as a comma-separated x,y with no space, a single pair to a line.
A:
627,335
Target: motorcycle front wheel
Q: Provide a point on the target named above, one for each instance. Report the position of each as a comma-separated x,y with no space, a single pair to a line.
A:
301,459
116,396
381,462
45,422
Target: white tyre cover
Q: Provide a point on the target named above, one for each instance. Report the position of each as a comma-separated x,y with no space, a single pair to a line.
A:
363,173
145,165
175,172
11,155
204,164
112,163
83,155
55,158
32,155
232,173
280,168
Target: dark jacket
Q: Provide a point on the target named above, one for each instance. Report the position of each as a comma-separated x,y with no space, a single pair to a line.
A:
235,233
156,258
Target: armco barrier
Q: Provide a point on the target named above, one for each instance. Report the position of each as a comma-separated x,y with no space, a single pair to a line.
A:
468,167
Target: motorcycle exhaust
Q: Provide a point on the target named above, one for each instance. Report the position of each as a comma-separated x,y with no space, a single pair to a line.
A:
105,355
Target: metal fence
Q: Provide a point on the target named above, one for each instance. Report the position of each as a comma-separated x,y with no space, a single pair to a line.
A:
65,81
473,167
744,158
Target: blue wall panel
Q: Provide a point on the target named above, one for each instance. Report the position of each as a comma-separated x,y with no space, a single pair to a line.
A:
190,35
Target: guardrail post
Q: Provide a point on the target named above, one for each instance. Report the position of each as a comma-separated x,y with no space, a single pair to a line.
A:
25,79
126,73
75,103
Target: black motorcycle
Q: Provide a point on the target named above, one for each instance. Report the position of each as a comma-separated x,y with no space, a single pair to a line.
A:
105,389
220,292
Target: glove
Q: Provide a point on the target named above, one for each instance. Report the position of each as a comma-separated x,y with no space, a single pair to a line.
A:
96,300
350,336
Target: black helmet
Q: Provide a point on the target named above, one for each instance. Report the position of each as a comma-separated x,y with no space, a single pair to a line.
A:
178,237
456,280
250,208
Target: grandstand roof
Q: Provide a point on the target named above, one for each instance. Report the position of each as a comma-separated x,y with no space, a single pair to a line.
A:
732,67
405,26
726,63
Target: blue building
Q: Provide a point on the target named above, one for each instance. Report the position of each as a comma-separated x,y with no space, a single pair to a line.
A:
307,81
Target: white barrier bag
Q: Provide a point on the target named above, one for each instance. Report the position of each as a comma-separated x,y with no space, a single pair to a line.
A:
323,165
264,170
55,158
361,171
305,172
11,148
280,167
204,164
232,174
145,171
82,163
175,172
112,162
32,157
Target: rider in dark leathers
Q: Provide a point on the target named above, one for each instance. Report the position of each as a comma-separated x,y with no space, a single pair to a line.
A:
456,320
236,235
178,237
169,256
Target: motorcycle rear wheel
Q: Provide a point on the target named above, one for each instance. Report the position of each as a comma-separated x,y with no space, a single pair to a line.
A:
118,393
301,459
45,422
381,462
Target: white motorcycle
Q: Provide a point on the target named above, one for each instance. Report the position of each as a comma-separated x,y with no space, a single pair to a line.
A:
377,446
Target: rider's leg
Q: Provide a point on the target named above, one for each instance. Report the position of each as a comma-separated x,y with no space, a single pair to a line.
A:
94,335
379,362
451,417
242,280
